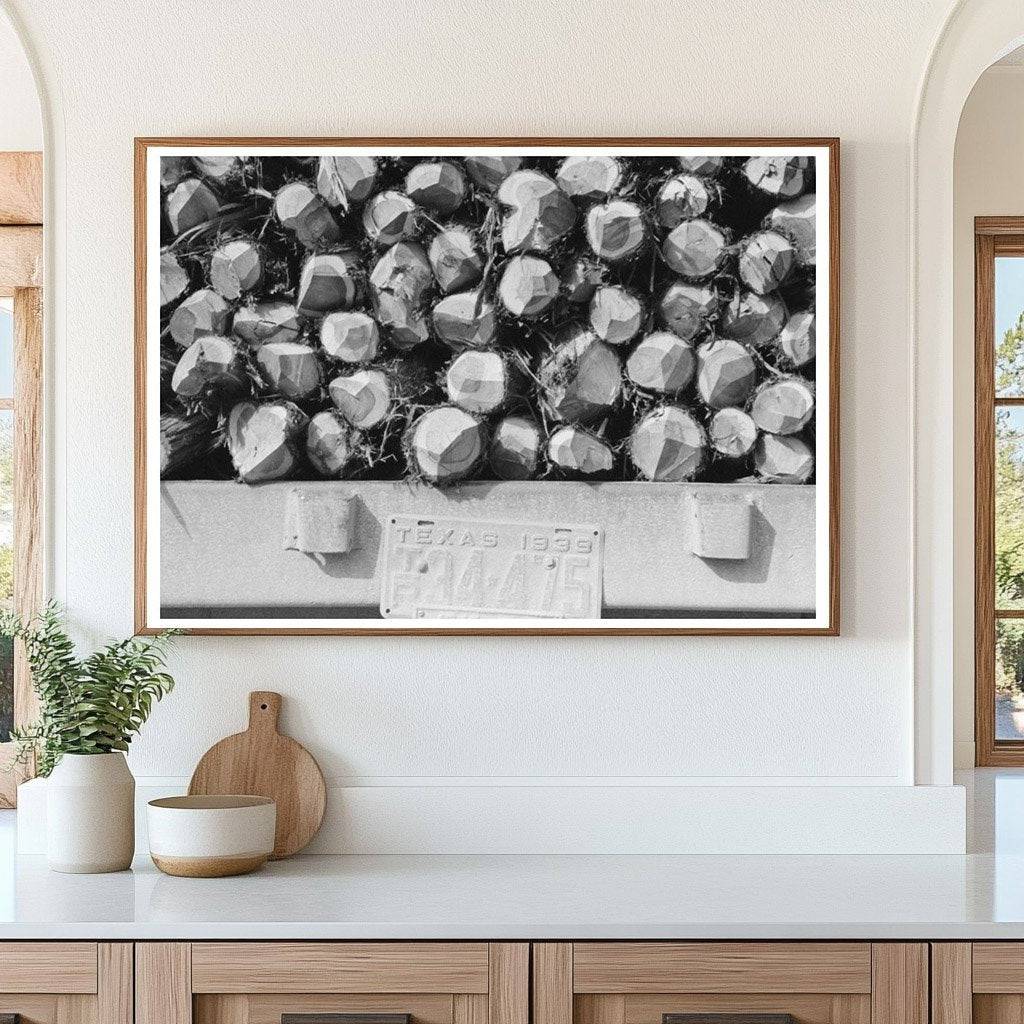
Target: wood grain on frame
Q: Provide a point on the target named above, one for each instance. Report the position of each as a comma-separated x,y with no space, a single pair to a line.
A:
144,143
21,188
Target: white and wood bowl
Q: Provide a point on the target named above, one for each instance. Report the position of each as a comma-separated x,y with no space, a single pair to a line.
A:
211,836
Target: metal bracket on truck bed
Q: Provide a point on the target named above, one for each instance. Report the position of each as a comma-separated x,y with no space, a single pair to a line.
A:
320,522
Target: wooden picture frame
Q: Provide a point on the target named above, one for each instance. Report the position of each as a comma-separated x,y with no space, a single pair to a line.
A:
236,618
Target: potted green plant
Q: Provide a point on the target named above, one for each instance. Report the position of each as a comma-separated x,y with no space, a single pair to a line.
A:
89,709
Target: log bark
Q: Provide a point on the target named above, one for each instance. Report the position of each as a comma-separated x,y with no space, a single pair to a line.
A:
400,285
454,259
350,336
783,460
174,280
208,366
796,220
330,444
726,373
778,176
390,217
574,451
465,320
732,433
580,279
445,445
688,309
589,177
798,338
527,287
752,318
662,363
329,281
365,398
290,369
201,313
266,441
515,448
346,181
439,186
695,249
684,197
581,380
185,440
490,171
616,314
481,382
616,230
235,267
783,406
537,212
766,260
300,210
271,320
191,203
668,444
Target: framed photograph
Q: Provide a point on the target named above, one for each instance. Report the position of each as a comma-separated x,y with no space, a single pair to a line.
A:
487,386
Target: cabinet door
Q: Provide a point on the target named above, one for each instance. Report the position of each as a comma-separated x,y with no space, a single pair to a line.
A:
980,982
332,983
66,982
736,982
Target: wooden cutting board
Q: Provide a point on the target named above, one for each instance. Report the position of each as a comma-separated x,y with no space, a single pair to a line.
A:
262,762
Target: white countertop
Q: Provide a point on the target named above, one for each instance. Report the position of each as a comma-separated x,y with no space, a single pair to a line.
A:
980,895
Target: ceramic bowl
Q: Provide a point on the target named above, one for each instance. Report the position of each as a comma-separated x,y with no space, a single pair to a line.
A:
211,836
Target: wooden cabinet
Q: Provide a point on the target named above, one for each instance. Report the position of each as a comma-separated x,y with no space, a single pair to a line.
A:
66,982
260,982
980,982
647,982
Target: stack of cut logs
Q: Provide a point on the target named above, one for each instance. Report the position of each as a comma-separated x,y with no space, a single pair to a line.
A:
504,317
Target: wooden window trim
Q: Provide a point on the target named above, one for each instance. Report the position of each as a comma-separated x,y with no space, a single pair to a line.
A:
21,261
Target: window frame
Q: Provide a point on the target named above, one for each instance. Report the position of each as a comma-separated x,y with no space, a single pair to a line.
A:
21,261
993,237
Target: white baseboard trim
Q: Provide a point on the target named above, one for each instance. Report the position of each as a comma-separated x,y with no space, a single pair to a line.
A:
598,819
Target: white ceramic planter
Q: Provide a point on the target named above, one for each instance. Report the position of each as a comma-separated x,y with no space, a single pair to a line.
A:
90,814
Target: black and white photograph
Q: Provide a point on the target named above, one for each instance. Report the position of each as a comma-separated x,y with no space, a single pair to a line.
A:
457,386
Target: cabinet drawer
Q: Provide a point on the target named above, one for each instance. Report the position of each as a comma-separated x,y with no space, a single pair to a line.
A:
736,982
262,982
48,967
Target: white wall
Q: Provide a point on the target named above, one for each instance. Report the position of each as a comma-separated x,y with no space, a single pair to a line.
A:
988,181
386,712
21,125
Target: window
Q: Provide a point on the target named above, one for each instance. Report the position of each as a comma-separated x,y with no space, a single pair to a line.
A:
999,490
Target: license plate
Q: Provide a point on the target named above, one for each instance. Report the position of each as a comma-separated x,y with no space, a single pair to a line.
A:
439,567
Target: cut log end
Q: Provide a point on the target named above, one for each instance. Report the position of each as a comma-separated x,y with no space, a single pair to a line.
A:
400,285
581,380
202,313
616,230
209,365
235,267
695,249
390,217
515,449
732,433
783,406
174,280
537,212
465,320
688,309
725,373
490,171
365,398
439,186
290,369
590,177
330,444
752,318
191,204
662,363
454,259
350,336
328,281
445,445
616,314
265,441
528,286
577,452
798,339
479,382
766,260
783,460
778,176
796,220
668,445
706,166
273,320
683,197
344,181
300,210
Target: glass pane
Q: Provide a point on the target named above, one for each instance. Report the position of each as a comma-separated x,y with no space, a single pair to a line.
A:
1009,679
6,567
6,348
1009,326
1009,518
